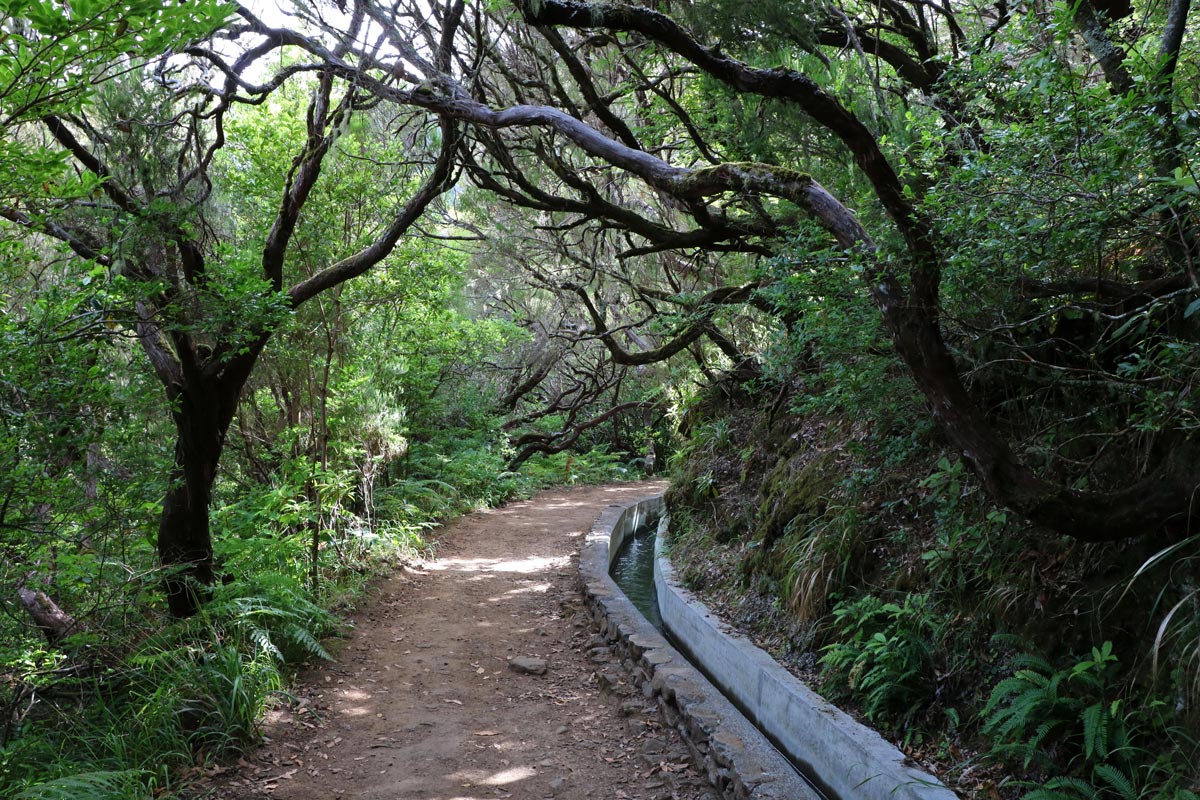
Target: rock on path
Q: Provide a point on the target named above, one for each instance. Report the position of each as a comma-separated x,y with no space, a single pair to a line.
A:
475,677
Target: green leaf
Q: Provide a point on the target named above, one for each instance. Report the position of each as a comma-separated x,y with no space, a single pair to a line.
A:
128,784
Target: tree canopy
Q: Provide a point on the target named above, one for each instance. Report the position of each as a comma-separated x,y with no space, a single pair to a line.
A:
924,105
318,246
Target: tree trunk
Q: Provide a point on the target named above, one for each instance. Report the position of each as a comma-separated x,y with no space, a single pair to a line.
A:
1160,502
202,418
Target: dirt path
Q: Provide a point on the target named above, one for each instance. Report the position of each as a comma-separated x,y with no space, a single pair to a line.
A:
423,703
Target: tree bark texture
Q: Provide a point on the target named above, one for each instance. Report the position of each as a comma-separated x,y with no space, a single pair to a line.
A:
185,548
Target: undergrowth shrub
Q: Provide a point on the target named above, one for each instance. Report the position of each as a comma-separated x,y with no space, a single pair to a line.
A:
212,695
471,473
194,690
819,559
1177,636
968,559
108,747
416,501
592,467
273,616
268,532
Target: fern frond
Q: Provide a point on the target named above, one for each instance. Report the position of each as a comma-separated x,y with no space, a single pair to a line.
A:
1095,731
1042,731
262,643
1118,780
1030,662
303,637
1064,789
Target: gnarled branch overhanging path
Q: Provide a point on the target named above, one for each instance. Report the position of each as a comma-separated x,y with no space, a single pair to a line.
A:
905,290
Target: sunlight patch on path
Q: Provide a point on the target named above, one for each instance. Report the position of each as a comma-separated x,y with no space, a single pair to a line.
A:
530,565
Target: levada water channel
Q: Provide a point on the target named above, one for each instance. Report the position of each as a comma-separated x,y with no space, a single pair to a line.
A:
633,571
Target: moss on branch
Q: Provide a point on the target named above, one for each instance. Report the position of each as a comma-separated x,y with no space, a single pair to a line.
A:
744,176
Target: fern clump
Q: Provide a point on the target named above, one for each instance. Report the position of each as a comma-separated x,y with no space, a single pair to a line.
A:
274,616
1081,716
884,656
125,784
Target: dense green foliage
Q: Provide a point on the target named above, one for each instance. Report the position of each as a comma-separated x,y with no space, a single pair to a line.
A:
365,425
869,560
333,473
904,293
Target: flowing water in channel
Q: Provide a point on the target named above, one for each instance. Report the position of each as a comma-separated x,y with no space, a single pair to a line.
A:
633,571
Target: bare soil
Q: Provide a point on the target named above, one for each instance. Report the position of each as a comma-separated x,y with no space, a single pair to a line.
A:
422,701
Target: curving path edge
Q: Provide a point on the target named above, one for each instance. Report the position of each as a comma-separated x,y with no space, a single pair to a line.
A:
738,760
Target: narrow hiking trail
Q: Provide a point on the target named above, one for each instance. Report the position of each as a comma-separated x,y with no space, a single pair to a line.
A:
423,703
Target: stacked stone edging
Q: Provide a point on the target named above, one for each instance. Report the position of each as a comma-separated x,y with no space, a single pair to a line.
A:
740,762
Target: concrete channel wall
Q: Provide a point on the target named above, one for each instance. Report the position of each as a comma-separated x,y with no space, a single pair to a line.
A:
740,762
850,760
846,759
